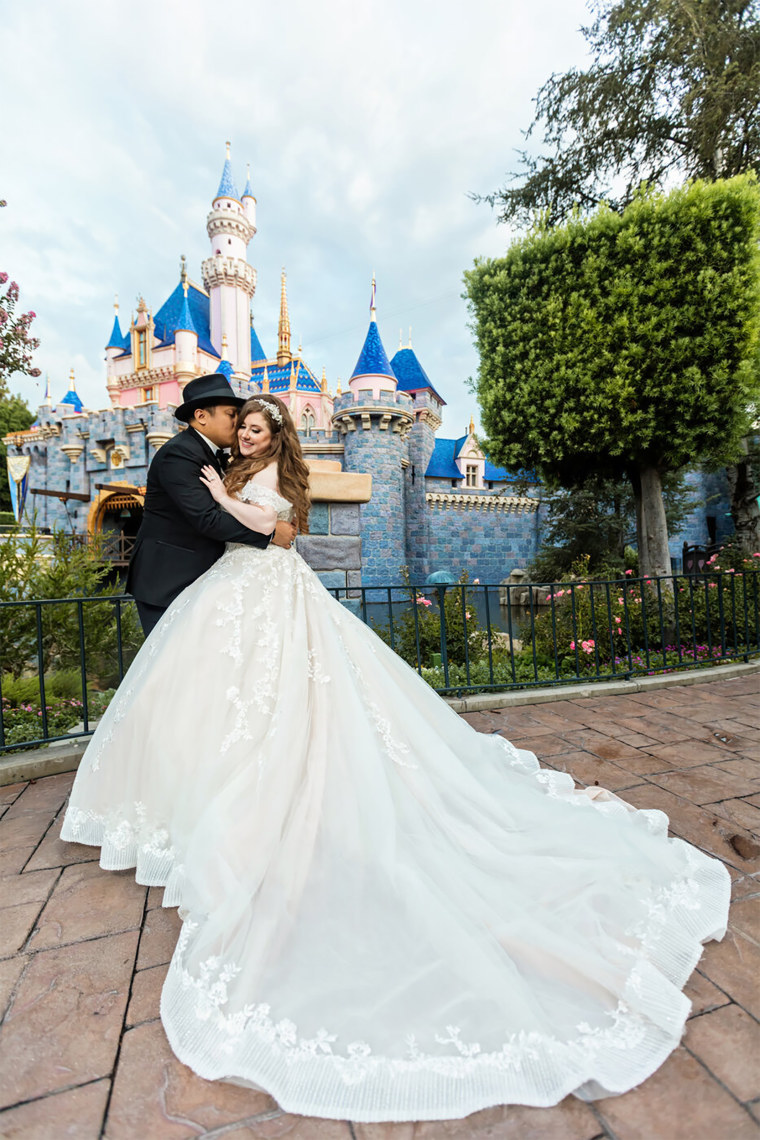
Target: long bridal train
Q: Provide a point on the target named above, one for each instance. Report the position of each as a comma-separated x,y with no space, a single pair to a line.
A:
387,916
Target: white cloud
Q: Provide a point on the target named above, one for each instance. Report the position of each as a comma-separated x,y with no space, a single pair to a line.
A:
367,125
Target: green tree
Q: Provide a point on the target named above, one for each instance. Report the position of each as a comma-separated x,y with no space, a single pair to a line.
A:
595,521
624,344
14,416
673,90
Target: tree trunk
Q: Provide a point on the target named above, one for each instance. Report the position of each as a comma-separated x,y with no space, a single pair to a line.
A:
651,524
744,509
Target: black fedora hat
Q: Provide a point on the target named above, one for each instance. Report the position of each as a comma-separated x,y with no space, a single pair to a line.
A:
205,391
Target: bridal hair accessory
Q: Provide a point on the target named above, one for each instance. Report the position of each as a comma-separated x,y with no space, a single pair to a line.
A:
272,410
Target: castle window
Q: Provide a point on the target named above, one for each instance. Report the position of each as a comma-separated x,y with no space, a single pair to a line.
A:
471,475
308,422
142,349
148,395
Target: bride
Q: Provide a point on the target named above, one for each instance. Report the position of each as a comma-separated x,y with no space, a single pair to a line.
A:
386,915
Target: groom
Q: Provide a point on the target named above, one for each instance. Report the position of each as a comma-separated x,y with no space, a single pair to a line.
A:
183,531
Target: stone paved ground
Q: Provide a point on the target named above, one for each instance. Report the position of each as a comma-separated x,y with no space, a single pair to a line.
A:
83,953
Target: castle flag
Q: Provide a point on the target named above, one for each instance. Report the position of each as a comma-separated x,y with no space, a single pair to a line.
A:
18,481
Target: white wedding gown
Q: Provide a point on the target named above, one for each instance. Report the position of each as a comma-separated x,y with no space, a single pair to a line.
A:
387,915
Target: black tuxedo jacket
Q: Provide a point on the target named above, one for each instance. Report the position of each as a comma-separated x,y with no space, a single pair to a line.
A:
183,531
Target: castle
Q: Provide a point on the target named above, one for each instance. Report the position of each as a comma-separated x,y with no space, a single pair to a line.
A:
388,492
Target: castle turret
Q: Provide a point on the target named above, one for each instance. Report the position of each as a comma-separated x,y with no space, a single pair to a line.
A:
427,405
284,355
185,342
248,199
117,342
229,279
374,420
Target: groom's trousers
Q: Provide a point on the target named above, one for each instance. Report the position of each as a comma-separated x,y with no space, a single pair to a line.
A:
149,615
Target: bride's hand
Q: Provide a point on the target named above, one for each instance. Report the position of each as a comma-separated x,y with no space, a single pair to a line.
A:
211,478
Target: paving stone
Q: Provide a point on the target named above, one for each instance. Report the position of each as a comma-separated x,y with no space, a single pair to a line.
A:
481,722
53,852
145,1002
47,794
698,825
688,753
76,1113
399,1131
12,862
10,792
24,830
570,1120
543,746
703,994
159,937
155,897
665,730
703,785
734,966
585,740
63,1028
745,917
287,1127
679,1102
633,739
727,1041
155,1096
35,886
741,812
592,770
16,924
745,886
10,972
87,903
749,769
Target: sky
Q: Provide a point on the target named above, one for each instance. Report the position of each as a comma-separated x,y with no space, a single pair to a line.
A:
368,127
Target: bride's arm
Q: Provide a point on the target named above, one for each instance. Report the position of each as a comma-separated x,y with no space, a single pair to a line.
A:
252,515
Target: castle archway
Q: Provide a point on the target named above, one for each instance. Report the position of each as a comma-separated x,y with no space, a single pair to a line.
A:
116,514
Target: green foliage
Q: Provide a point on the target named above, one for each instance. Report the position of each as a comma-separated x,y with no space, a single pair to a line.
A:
420,623
14,416
623,340
593,522
673,88
58,567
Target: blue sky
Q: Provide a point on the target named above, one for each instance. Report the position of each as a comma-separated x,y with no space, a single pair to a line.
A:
366,124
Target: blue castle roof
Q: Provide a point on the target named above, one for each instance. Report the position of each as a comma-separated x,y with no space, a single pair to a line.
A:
411,376
442,465
225,367
167,319
185,319
248,192
226,185
257,352
373,360
117,338
72,398
279,377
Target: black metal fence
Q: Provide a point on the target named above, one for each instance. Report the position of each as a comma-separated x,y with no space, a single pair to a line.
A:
461,638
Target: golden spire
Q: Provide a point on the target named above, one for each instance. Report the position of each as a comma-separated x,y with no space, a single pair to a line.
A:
116,303
265,381
471,430
337,388
283,347
224,347
227,145
293,377
323,386
72,382
48,397
372,309
183,270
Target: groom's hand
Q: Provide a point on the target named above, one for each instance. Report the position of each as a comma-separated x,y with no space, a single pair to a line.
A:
284,534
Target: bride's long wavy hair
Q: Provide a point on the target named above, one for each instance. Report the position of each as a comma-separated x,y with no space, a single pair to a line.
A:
285,447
